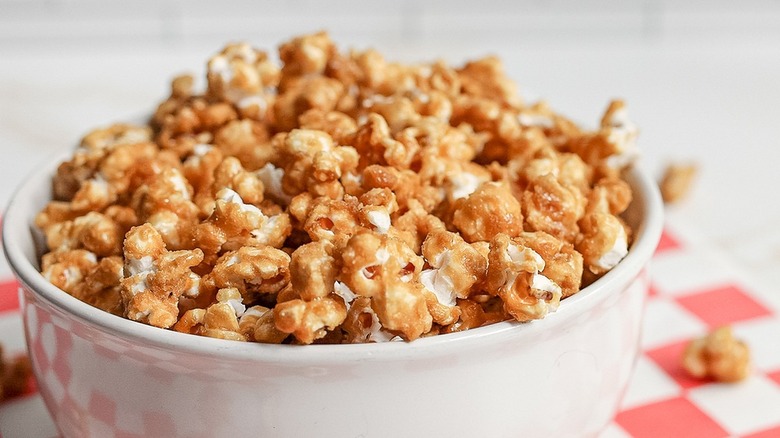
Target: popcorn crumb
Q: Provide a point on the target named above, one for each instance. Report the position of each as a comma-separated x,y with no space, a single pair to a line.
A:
15,375
718,356
676,182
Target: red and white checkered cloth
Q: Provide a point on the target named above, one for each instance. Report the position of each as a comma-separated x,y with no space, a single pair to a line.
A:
695,289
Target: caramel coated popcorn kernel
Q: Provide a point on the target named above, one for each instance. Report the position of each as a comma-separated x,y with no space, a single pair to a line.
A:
676,182
339,197
15,375
717,356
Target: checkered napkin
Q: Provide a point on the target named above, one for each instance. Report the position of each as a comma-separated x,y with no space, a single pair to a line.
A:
694,290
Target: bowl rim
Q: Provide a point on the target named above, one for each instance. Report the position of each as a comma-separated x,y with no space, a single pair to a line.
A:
18,219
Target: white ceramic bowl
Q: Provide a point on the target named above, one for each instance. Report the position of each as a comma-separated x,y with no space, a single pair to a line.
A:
101,375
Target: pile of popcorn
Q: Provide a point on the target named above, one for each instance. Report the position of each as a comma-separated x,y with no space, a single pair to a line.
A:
339,198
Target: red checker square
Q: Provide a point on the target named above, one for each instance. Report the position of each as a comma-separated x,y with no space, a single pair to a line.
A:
773,432
775,375
669,358
9,296
103,408
668,242
723,305
652,290
676,417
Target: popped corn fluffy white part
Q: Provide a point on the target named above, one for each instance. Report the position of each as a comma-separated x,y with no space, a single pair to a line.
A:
338,197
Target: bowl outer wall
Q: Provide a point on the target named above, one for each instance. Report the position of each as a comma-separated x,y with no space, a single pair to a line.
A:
507,375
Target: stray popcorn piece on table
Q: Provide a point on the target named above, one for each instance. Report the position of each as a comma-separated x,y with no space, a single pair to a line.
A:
15,375
338,197
676,182
718,356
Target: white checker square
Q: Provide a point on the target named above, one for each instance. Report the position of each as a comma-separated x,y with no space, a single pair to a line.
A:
48,342
26,417
52,382
681,272
666,322
763,337
741,408
648,384
12,333
614,431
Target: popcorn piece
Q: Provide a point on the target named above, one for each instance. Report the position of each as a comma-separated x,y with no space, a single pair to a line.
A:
247,140
485,78
371,260
101,287
272,176
414,225
219,320
67,269
166,203
456,266
337,124
94,232
563,264
490,210
402,307
375,209
257,324
386,270
313,269
234,224
242,75
407,186
362,324
309,320
230,174
327,219
604,240
676,182
254,271
314,164
613,147
718,356
308,54
514,274
552,207
72,174
155,278
15,375
199,170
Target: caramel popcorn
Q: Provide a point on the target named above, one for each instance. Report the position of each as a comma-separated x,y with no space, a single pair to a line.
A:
15,375
338,197
718,356
676,182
